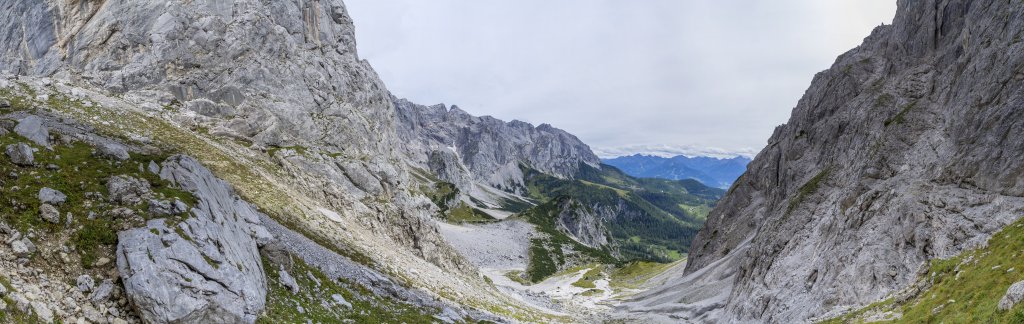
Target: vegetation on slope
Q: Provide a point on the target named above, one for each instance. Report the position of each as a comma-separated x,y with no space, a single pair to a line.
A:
547,254
73,170
315,301
963,289
251,178
636,273
656,219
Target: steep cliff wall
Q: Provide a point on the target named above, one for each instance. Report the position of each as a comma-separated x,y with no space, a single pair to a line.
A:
490,151
903,151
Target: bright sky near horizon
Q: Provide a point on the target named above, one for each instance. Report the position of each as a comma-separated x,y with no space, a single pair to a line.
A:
666,77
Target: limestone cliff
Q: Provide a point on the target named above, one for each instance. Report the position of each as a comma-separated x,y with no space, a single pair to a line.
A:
283,77
480,153
903,151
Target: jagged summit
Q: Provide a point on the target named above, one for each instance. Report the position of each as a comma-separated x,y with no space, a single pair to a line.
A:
490,150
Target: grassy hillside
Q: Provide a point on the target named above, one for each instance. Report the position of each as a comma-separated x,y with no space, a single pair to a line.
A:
655,219
963,289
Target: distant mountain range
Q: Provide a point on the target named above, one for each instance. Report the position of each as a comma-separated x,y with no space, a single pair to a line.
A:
713,172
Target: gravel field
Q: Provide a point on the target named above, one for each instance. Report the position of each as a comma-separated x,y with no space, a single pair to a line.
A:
502,245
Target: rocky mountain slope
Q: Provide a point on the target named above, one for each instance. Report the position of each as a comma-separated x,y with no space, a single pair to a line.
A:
482,156
902,152
238,162
713,172
272,98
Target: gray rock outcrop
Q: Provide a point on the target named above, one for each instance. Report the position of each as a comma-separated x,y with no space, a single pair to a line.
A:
20,154
273,73
1013,296
23,248
85,283
288,281
204,269
279,73
49,213
128,191
51,196
112,151
32,128
583,224
449,140
900,153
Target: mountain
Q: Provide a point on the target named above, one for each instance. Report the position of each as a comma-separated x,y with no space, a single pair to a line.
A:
212,161
897,158
714,172
481,156
483,169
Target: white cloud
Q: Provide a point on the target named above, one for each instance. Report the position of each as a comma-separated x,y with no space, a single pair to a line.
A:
616,73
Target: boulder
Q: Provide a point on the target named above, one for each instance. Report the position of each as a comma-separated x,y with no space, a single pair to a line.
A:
85,283
23,248
128,191
21,303
103,292
340,301
51,196
1013,296
21,154
32,128
43,312
112,151
276,254
206,269
288,281
49,213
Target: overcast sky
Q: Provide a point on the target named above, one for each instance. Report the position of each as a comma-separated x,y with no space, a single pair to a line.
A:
626,76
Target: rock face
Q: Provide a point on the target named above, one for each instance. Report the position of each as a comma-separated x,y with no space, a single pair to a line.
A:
205,269
583,224
274,72
902,152
451,142
125,190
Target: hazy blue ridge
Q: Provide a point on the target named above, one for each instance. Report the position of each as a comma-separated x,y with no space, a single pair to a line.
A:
713,172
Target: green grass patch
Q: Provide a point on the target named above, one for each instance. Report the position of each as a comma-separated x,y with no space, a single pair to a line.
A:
808,189
635,274
466,214
899,118
518,276
319,307
966,288
546,253
587,281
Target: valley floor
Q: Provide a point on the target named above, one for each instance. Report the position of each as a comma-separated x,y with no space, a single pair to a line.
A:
590,292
